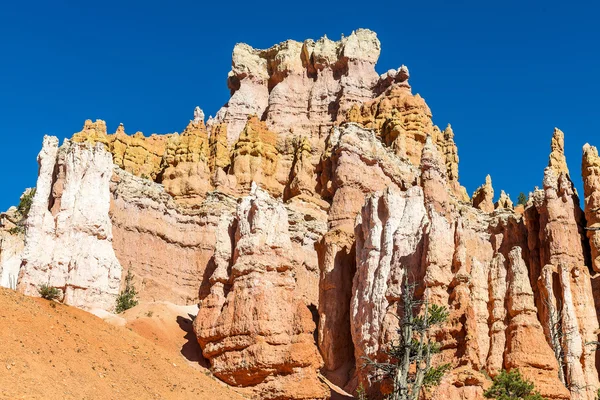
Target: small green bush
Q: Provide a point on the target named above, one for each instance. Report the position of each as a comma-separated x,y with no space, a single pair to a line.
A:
49,292
522,199
17,230
127,298
512,386
25,203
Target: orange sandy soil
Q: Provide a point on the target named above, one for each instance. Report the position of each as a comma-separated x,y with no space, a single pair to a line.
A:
52,351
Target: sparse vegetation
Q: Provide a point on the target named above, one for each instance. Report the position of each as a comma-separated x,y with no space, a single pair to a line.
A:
361,393
512,386
522,200
149,314
410,366
127,299
16,230
25,203
19,218
49,292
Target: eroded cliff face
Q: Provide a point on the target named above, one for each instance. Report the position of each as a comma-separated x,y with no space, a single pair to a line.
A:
11,248
253,326
293,218
68,243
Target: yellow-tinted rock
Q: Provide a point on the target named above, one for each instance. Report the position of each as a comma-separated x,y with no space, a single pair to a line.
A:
590,169
558,161
186,175
137,154
219,151
255,157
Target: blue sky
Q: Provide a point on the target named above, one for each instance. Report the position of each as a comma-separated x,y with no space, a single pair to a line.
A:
504,74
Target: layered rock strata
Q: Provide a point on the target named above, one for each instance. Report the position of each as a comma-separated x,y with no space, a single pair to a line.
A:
253,326
11,247
69,232
359,191
591,187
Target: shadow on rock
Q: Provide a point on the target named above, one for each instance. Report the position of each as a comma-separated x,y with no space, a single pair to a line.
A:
191,349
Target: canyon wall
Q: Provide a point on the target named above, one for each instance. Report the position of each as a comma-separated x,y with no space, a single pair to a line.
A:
294,216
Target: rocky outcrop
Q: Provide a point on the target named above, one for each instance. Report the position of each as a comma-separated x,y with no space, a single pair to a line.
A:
483,198
166,246
185,173
11,247
557,243
253,327
504,201
471,262
254,157
300,86
138,154
360,191
590,169
69,233
357,164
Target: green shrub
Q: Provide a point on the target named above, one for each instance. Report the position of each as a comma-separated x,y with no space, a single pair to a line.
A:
25,203
17,230
127,298
49,292
522,199
512,386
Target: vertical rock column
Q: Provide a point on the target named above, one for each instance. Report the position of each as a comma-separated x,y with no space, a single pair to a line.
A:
389,244
71,246
590,168
562,253
254,327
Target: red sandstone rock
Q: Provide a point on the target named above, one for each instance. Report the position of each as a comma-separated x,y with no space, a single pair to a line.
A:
253,327
371,195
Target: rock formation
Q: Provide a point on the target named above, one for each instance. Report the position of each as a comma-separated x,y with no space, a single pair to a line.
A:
359,191
69,233
504,201
483,198
591,187
253,326
11,247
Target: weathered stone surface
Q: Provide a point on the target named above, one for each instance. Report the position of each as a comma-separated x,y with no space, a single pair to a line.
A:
389,246
138,154
556,241
166,247
367,194
255,157
504,201
483,198
525,347
590,169
304,86
253,327
186,174
12,242
71,247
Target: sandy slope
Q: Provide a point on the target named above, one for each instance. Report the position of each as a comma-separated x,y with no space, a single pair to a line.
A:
52,351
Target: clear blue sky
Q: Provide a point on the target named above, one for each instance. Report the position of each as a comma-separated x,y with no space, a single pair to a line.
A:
504,74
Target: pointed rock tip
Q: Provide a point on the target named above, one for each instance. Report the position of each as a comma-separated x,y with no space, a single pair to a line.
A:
589,149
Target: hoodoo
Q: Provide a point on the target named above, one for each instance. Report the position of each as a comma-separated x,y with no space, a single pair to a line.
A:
293,219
